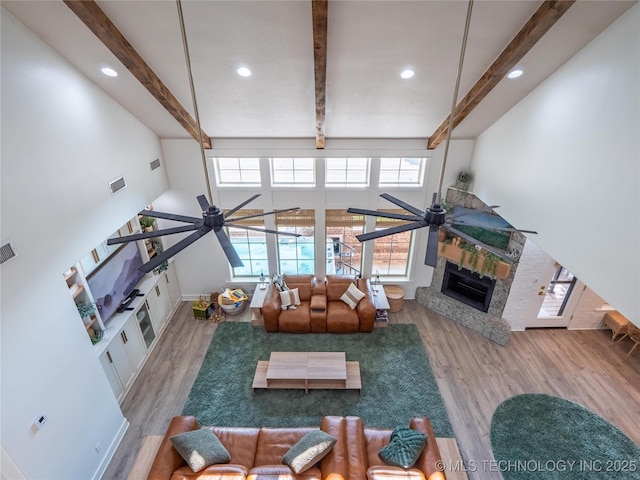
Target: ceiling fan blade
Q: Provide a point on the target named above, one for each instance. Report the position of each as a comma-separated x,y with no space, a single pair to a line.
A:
204,203
170,216
402,204
431,257
397,216
497,229
171,251
235,219
155,233
238,207
266,230
228,249
390,231
470,212
489,248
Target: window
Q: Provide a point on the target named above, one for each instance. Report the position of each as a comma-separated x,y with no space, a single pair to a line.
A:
296,255
238,171
391,253
342,172
401,171
293,171
250,245
344,250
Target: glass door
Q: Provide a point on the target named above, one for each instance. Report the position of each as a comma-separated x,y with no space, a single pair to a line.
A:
144,320
556,299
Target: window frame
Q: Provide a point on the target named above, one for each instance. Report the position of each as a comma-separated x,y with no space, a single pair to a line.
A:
347,184
222,183
421,173
276,183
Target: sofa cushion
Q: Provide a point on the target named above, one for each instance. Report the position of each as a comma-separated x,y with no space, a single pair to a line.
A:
225,471
282,472
341,318
304,284
200,448
274,442
240,442
394,473
295,321
405,447
289,299
309,450
352,296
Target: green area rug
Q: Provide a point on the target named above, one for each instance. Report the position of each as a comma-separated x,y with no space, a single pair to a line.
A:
397,381
542,436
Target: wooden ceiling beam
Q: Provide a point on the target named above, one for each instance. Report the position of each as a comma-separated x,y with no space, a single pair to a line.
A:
103,28
536,27
320,14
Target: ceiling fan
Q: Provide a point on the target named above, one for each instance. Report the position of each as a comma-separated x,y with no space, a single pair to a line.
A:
212,217
435,216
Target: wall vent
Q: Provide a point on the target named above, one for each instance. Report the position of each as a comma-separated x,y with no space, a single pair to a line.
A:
117,185
7,252
155,164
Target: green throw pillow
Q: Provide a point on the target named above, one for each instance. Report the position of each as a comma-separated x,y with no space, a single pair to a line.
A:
200,448
405,447
309,450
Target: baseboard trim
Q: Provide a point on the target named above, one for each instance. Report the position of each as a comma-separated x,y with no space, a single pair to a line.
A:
112,450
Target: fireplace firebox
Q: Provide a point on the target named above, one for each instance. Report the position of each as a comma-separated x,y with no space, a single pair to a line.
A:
467,287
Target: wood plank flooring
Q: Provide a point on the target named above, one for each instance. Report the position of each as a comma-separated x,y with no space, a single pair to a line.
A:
474,376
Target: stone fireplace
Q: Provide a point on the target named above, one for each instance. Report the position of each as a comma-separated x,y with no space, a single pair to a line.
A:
472,299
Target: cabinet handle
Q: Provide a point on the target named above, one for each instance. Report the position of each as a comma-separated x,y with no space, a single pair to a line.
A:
123,335
166,277
109,357
157,291
146,303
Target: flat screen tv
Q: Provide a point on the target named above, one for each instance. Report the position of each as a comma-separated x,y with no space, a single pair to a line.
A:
113,281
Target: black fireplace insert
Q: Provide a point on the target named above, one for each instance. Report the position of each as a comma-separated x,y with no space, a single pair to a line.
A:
467,287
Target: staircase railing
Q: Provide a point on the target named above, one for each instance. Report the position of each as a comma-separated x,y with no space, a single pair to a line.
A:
344,254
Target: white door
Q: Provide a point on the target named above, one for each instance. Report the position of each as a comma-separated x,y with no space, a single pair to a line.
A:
559,300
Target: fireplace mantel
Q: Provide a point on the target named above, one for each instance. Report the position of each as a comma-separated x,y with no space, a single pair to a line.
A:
454,253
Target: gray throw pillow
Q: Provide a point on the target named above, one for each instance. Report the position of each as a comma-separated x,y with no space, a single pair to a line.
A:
200,448
309,450
405,447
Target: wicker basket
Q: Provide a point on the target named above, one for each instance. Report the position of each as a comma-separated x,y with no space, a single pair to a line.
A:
395,297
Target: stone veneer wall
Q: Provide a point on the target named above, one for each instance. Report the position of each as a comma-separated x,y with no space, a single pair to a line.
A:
490,324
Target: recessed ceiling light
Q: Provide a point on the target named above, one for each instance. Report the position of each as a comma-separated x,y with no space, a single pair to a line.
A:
515,73
244,72
407,73
109,72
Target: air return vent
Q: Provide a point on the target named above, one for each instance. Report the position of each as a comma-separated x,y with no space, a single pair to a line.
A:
117,185
155,164
7,252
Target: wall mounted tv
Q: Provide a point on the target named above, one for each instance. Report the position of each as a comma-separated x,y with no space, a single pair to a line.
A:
113,281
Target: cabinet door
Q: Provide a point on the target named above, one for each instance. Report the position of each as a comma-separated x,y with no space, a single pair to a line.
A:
133,343
147,328
171,279
112,375
120,361
159,304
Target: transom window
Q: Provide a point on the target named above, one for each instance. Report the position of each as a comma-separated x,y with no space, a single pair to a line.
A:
237,171
250,245
293,171
344,172
401,171
391,253
296,255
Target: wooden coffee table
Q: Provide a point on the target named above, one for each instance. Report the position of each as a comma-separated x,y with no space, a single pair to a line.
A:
305,370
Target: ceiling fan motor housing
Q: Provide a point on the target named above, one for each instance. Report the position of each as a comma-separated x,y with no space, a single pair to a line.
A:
435,215
213,218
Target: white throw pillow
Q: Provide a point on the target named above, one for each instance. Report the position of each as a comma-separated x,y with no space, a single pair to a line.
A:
352,296
289,298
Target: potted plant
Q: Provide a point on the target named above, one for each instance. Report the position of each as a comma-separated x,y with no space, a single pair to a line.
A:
146,223
86,309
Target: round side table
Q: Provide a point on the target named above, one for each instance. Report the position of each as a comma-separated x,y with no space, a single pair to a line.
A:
395,296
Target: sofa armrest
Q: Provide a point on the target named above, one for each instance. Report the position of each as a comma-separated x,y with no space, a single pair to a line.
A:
430,459
168,459
271,308
334,466
366,307
357,449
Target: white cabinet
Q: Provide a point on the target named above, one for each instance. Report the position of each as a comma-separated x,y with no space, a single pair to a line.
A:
124,357
159,304
171,279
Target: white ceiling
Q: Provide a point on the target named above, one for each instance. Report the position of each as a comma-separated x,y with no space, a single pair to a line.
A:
369,43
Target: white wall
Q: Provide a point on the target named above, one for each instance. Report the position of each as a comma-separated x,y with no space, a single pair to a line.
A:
202,267
565,162
63,140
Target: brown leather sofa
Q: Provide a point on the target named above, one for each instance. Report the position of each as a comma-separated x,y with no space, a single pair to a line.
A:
321,309
256,453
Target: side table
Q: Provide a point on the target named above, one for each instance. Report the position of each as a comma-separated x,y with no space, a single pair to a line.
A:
259,295
382,307
395,296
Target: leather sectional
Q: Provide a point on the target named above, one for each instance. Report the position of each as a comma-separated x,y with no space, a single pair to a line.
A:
256,453
320,309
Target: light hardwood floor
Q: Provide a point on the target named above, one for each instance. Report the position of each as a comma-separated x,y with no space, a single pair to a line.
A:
474,376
